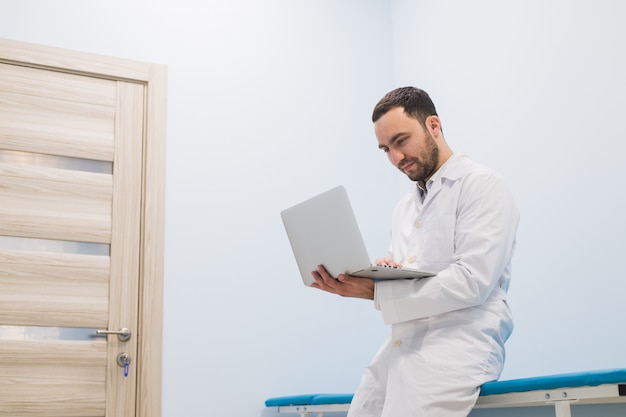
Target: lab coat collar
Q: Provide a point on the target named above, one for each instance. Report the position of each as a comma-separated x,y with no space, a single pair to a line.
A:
454,168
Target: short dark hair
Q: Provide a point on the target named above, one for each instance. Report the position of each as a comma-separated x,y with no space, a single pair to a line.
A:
416,104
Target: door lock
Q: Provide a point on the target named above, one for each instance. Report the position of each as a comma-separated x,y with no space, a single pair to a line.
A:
123,360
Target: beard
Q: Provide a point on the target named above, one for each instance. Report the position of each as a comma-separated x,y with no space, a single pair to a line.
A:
426,163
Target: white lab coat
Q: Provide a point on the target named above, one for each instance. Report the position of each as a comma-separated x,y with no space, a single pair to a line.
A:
448,331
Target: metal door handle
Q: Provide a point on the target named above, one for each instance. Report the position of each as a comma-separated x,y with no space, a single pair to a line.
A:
123,334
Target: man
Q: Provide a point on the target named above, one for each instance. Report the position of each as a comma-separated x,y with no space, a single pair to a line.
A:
458,220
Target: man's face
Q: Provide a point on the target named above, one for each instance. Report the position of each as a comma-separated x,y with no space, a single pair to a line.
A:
408,145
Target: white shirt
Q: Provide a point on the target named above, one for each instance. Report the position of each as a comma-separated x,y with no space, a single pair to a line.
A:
463,230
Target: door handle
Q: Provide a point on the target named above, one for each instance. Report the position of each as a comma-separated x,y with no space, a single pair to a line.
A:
123,334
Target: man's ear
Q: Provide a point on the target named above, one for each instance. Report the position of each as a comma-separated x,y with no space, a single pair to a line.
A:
434,125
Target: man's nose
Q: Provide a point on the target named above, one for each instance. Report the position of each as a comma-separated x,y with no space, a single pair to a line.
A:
395,156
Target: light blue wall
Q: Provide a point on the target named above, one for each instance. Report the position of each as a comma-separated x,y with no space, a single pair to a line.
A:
269,103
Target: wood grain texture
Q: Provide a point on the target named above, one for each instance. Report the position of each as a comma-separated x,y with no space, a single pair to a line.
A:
56,109
51,203
153,247
56,125
53,289
83,63
52,378
125,241
18,79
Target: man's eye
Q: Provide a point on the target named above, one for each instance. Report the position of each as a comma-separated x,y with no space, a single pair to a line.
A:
385,150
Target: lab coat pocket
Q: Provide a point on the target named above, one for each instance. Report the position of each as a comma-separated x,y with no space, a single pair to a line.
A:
438,244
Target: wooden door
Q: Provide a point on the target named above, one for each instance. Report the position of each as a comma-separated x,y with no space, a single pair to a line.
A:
73,244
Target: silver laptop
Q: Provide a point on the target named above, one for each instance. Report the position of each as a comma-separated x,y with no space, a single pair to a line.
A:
323,231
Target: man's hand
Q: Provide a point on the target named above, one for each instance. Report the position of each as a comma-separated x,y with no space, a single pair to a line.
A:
345,285
386,261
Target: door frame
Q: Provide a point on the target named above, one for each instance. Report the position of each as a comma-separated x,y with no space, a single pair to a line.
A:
154,78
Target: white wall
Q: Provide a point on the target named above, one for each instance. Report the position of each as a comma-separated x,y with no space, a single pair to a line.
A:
536,90
269,103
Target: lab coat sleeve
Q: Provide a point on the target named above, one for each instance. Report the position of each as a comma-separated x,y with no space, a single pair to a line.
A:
484,242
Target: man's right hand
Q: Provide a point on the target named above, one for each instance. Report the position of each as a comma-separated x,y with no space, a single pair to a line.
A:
345,285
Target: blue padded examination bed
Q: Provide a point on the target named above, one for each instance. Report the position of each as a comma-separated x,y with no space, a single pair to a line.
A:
561,391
